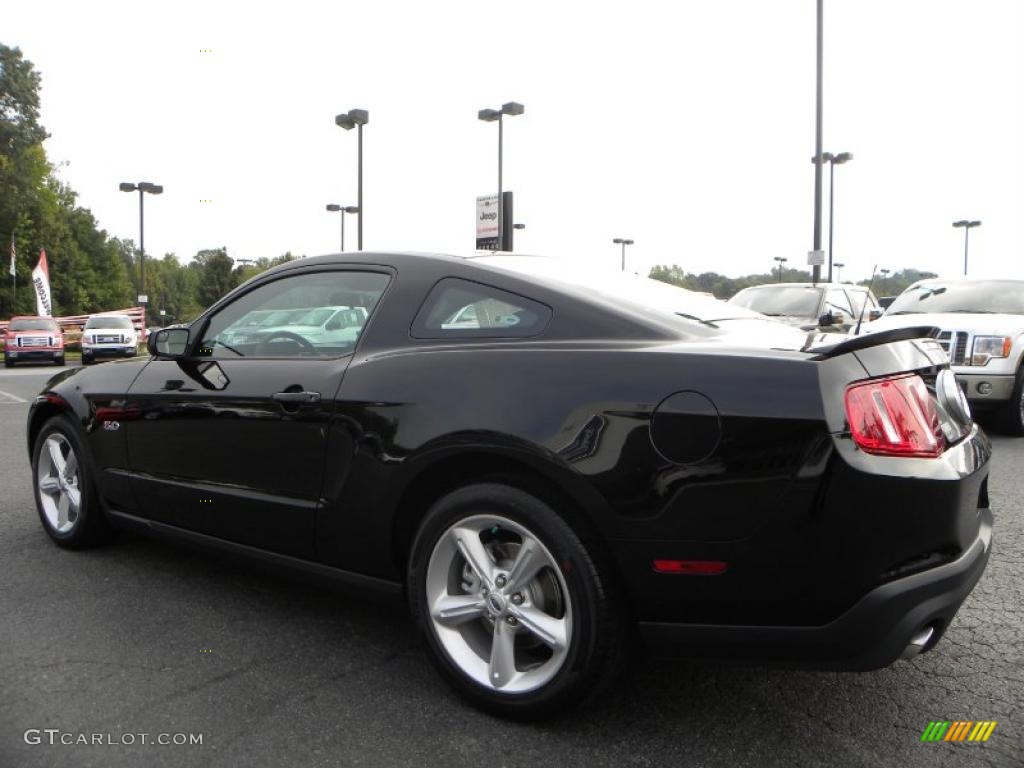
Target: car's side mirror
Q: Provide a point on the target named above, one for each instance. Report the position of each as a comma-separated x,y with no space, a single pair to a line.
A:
829,319
168,342
874,314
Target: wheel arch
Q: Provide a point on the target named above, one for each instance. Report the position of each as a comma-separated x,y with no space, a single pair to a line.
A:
45,407
582,507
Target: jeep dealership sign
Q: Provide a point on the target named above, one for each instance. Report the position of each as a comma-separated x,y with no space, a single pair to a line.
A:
487,223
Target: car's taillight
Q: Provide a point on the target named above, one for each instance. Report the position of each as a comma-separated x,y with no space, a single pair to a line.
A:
895,417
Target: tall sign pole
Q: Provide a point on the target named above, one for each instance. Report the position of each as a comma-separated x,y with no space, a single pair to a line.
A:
816,275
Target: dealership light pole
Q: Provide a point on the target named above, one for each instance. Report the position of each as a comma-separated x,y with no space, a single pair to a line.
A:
142,187
967,225
833,161
782,260
342,209
816,269
349,120
510,108
884,273
623,242
838,265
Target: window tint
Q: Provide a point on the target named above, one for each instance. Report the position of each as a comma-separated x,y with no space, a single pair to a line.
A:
295,317
460,308
836,301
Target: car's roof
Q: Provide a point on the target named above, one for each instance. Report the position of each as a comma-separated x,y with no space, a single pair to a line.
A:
32,317
108,314
968,280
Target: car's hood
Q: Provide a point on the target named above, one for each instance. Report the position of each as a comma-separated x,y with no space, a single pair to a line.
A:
978,323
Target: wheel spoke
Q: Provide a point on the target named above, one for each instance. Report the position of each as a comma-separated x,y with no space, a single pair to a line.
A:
529,560
502,668
56,457
49,485
63,505
74,497
548,629
453,610
476,554
71,467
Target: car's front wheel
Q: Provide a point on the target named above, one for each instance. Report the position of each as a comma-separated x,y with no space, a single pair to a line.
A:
8,363
517,615
65,495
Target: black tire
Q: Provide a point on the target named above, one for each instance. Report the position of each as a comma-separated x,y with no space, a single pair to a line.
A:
59,360
1011,417
598,628
8,363
86,360
90,526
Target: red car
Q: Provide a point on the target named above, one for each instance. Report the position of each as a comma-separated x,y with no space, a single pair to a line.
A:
33,338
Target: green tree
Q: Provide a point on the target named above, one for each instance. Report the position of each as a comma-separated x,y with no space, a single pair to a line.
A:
214,272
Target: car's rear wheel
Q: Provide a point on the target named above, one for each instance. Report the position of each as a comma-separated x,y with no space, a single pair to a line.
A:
58,360
65,495
516,614
1012,421
8,363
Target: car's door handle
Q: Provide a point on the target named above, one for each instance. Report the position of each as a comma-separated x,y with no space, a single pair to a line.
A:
297,397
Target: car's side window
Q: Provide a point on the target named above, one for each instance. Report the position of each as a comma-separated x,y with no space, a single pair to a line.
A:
857,299
315,314
836,301
458,308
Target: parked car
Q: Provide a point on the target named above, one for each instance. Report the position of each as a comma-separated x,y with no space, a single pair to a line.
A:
981,327
30,338
539,490
831,307
108,336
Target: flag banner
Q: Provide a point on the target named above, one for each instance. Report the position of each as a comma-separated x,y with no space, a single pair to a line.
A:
41,283
14,255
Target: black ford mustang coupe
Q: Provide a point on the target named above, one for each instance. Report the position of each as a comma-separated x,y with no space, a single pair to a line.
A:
545,468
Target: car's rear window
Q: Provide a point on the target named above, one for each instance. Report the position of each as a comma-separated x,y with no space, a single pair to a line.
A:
34,324
459,308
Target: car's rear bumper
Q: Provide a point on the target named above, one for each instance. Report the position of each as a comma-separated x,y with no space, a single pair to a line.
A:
873,633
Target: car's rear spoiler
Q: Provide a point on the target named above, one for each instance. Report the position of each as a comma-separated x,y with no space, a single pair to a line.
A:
870,340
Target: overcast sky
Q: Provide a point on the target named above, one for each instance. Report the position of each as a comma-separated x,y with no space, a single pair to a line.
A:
687,126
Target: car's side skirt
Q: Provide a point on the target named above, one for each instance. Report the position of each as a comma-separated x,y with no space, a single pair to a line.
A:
355,583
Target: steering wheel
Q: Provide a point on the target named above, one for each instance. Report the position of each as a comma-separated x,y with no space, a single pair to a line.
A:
304,344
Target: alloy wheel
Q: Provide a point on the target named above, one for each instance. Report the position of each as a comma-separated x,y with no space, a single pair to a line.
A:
498,604
59,481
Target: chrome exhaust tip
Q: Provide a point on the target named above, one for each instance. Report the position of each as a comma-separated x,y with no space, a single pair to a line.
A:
918,642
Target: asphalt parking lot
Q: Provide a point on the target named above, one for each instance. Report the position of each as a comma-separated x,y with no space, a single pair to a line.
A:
147,637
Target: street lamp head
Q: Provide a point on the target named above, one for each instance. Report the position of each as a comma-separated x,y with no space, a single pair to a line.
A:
344,121
488,115
512,108
628,242
126,186
961,223
842,157
618,240
146,186
781,259
974,224
333,207
518,226
351,209
838,264
825,157
359,116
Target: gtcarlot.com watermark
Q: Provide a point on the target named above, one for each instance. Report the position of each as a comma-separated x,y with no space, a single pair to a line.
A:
55,736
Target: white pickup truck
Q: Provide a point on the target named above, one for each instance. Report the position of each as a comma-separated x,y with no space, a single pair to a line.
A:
981,324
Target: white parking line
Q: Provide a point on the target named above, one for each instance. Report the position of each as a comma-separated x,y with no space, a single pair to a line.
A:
6,398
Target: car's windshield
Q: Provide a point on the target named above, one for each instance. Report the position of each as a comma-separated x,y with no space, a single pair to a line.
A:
982,296
34,324
791,300
108,321
612,287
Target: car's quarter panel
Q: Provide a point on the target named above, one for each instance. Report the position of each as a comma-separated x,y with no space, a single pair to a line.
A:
582,412
230,461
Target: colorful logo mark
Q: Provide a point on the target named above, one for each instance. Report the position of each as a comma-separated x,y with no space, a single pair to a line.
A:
958,730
